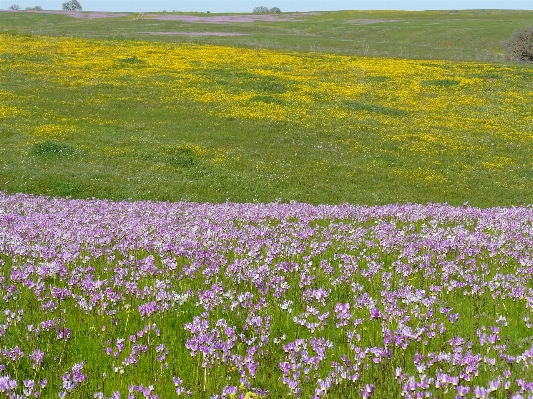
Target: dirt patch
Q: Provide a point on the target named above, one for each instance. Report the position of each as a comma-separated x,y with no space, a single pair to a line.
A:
370,21
80,15
227,19
197,33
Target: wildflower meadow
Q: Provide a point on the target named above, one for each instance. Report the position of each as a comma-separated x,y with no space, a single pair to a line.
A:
120,119
126,299
264,207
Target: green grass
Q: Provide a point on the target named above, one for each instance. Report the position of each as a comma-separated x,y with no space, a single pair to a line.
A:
65,133
127,137
453,35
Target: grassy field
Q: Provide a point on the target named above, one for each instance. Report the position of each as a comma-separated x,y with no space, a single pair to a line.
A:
451,35
265,299
99,116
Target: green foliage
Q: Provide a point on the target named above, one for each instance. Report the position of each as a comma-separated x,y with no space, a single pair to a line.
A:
260,10
519,47
72,5
265,10
441,83
379,109
268,100
131,60
9,32
14,7
116,38
182,157
50,148
65,188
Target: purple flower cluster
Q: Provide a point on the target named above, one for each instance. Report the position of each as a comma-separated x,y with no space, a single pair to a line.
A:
72,379
264,300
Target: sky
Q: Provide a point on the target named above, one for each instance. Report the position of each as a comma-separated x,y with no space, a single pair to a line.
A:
220,6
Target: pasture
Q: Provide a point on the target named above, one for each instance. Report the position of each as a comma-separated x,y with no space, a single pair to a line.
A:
242,206
88,116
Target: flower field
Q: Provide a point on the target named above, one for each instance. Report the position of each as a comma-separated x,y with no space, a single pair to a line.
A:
228,290
209,123
316,90
106,299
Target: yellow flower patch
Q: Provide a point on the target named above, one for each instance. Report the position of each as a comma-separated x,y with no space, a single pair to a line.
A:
424,106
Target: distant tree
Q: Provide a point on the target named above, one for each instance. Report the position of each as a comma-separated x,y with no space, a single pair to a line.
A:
274,10
14,7
260,10
72,5
38,8
519,47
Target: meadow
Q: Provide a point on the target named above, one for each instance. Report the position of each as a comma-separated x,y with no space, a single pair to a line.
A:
318,205
465,35
140,299
151,120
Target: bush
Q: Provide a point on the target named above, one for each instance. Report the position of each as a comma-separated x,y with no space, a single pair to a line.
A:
36,8
260,10
72,5
275,10
14,7
519,47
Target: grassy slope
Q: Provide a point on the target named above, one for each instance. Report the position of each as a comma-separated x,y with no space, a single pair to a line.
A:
463,35
148,149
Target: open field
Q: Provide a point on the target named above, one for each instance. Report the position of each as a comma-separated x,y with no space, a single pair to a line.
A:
261,297
162,300
473,35
169,121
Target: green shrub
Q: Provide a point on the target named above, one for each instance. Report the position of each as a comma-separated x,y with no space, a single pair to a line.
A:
72,5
